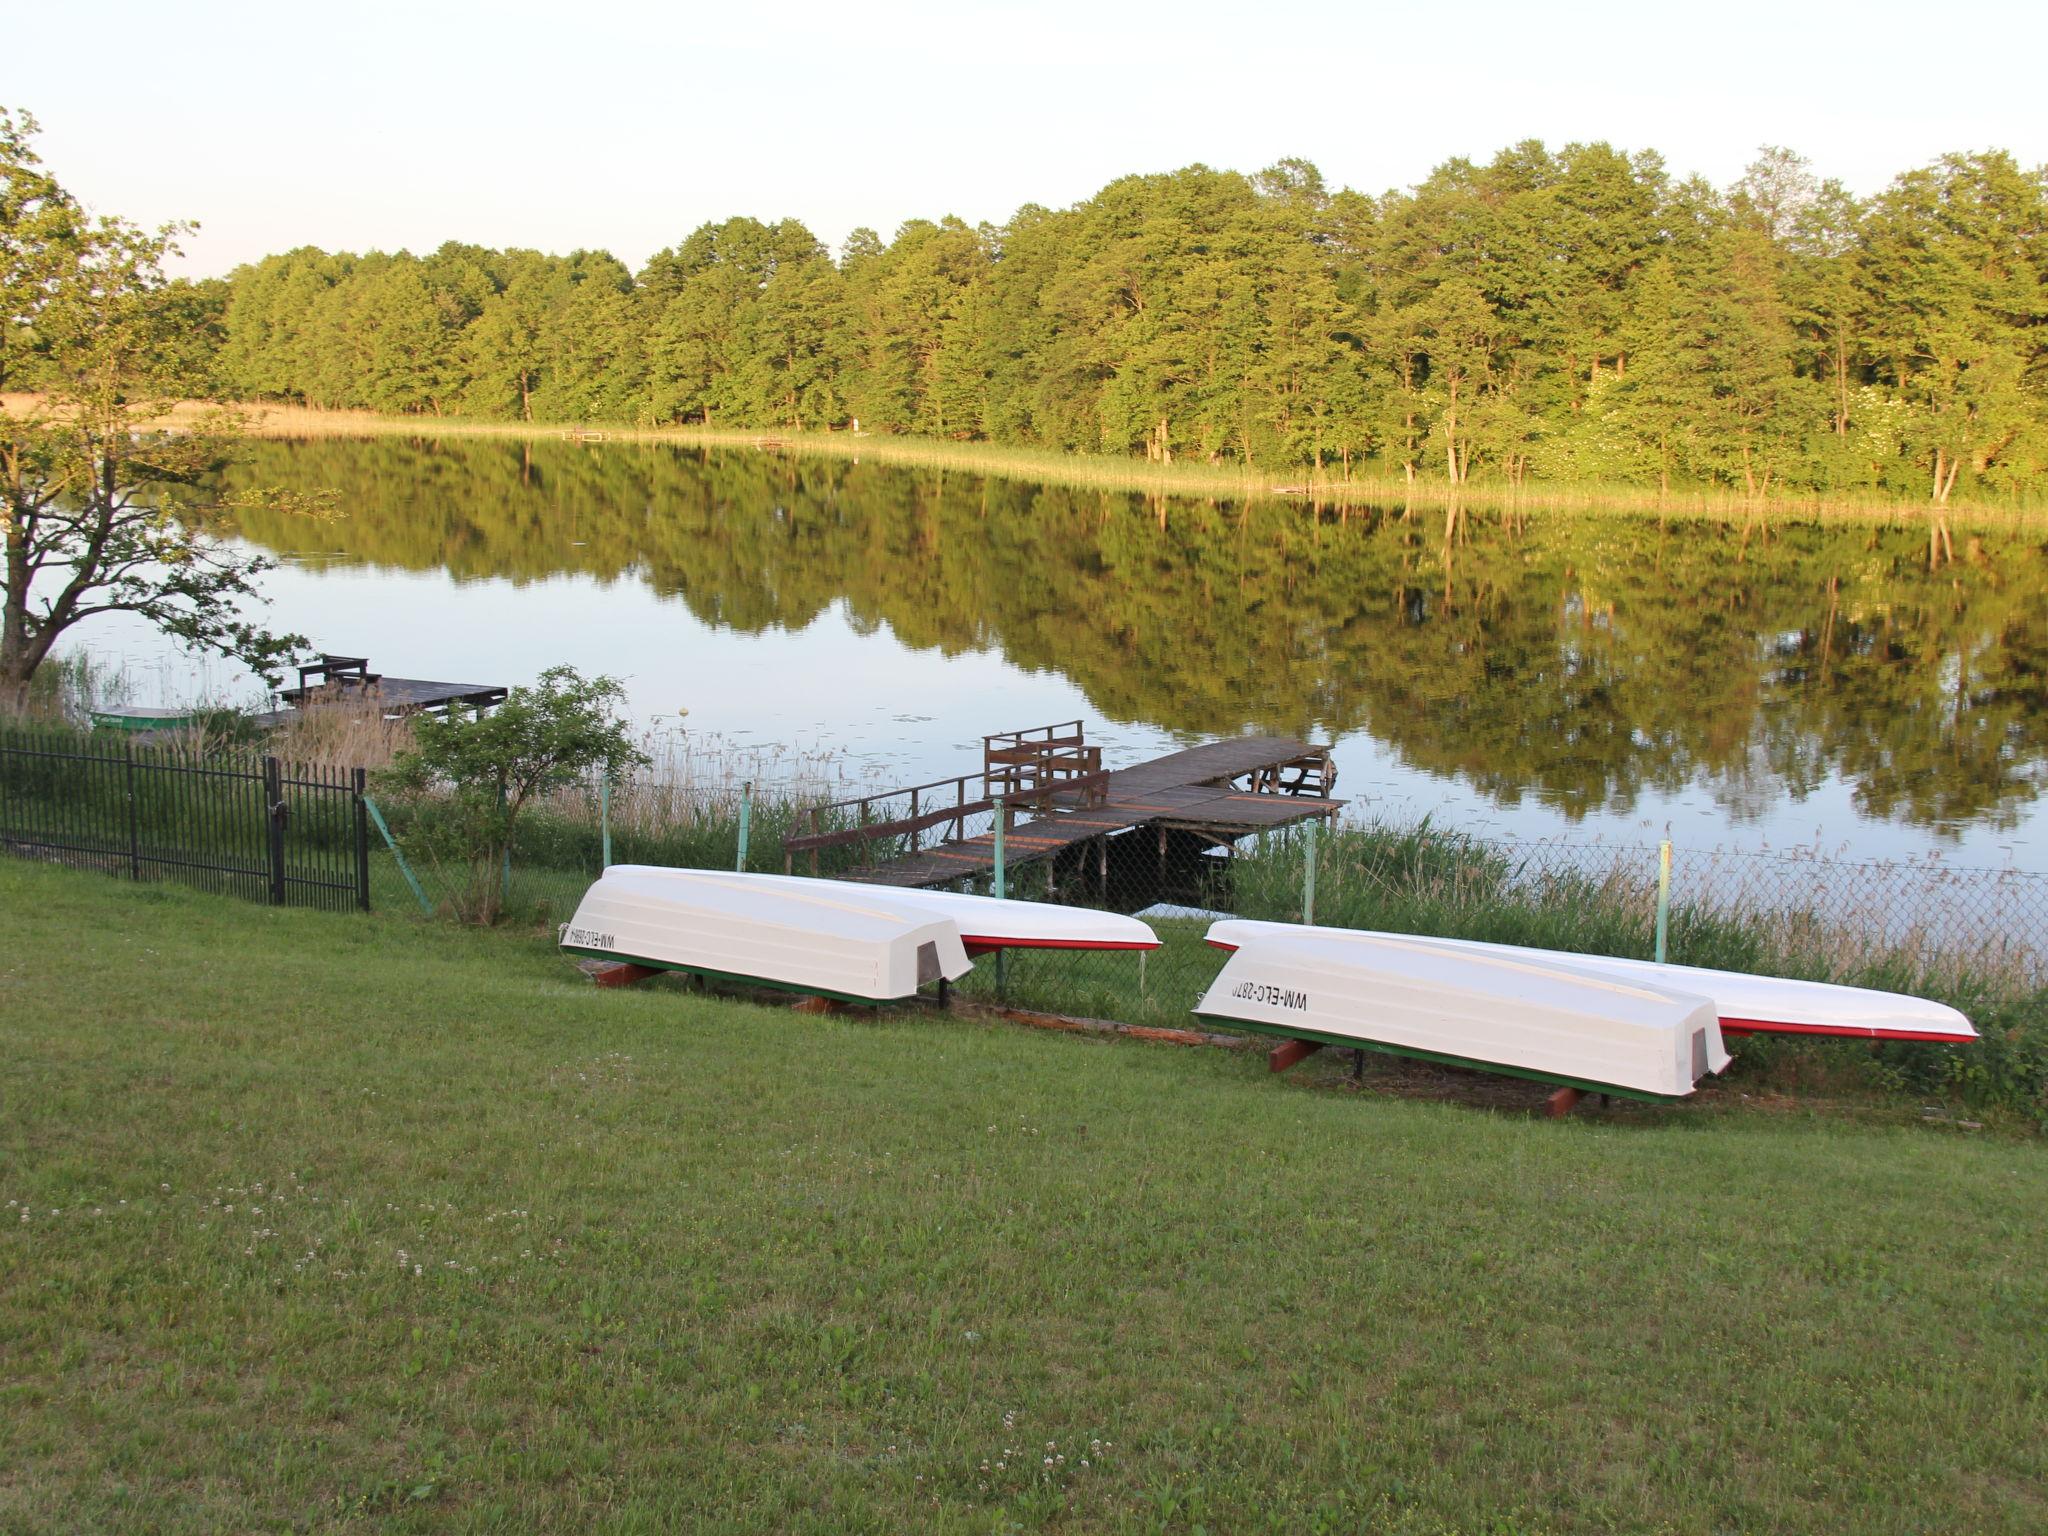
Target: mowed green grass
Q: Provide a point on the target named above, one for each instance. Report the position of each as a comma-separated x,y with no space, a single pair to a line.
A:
309,1220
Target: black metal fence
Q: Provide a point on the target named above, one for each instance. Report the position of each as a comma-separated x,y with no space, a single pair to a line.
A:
256,827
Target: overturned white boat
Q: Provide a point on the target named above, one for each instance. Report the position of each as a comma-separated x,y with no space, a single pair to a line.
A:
1745,1004
986,923
832,940
1523,1017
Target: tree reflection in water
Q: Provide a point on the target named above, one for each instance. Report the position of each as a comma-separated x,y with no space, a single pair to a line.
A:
1577,659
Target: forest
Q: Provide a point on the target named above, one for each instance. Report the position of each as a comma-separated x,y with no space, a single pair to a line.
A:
1576,316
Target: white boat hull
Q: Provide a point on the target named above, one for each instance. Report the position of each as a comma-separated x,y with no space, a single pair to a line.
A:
829,941
986,923
1744,1003
1517,1016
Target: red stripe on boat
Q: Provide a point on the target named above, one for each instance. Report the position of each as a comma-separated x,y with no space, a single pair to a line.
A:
1835,1031
983,943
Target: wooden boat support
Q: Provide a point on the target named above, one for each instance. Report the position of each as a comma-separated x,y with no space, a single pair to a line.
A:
622,974
1291,1053
1063,810
1563,1102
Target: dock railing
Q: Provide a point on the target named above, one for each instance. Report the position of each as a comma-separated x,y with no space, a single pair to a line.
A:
1034,770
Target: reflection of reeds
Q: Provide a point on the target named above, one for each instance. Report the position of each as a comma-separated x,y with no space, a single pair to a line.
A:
1115,472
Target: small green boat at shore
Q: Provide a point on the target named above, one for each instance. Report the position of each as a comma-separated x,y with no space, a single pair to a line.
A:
127,717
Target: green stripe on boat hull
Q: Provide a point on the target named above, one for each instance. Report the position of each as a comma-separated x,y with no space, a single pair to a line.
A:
1351,1042
727,976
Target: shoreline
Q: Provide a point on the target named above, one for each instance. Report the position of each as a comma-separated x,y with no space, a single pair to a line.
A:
1129,476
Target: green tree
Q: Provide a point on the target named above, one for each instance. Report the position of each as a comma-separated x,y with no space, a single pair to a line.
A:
1955,263
476,775
104,511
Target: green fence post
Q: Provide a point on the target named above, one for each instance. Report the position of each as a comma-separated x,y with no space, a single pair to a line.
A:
746,823
1308,873
1001,885
604,819
404,868
1663,897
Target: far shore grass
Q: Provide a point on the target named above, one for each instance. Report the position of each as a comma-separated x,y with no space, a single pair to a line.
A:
1117,473
314,1221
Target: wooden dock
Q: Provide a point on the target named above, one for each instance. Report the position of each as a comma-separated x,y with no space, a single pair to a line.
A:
1202,797
348,679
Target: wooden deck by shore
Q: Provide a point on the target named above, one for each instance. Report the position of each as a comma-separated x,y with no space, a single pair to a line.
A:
1205,796
348,679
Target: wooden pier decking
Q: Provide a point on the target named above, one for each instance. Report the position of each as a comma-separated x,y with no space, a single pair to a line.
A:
1214,794
349,678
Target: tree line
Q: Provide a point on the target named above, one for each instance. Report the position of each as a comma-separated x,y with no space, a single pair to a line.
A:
1577,315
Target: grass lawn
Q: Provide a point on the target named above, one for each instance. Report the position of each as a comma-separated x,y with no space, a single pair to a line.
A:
309,1220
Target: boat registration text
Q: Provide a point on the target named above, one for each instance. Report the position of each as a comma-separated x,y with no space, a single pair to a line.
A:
1272,996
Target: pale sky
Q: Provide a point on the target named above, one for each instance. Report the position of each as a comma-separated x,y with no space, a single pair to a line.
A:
623,126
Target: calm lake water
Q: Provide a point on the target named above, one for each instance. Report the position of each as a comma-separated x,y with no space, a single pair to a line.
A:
1524,676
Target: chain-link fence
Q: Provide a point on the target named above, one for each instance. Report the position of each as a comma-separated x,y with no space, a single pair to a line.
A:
1901,922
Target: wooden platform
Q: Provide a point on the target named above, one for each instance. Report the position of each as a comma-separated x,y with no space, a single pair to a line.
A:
347,679
1201,790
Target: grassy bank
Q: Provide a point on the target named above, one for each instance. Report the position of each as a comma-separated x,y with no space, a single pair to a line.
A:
1227,482
318,1221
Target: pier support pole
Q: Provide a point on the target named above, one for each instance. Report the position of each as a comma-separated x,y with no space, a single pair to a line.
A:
604,820
746,817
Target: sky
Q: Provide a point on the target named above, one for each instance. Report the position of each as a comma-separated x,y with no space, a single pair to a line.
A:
624,126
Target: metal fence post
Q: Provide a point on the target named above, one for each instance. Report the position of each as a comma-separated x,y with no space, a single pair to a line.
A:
362,782
273,804
134,832
604,820
1308,873
746,818
1663,897
397,854
1001,884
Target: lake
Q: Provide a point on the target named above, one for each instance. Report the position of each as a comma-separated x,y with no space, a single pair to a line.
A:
1519,675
